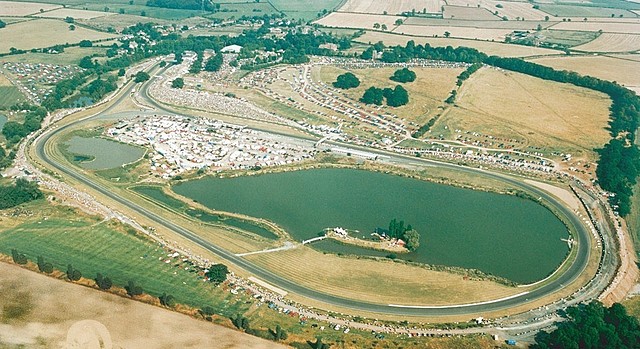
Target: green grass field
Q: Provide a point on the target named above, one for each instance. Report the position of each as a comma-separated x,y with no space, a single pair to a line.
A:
62,236
249,9
304,9
70,56
10,95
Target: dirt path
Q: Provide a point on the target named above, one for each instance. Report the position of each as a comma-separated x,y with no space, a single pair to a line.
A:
37,311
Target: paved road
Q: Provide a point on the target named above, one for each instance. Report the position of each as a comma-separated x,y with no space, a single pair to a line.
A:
566,278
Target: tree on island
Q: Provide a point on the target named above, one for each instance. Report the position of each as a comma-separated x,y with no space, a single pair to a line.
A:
411,239
346,81
409,235
403,75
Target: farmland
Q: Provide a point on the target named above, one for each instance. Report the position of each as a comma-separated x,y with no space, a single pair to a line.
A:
613,68
607,27
468,13
540,113
28,35
304,9
357,20
490,48
391,7
76,14
612,43
11,8
454,32
584,11
37,318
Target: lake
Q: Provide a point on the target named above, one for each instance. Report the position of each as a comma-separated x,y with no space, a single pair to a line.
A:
98,153
499,234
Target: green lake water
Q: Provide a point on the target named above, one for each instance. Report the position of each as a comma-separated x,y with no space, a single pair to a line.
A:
98,153
503,235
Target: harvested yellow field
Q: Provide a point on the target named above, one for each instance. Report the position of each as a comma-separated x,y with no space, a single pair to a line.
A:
14,8
391,7
490,48
357,20
608,42
541,113
74,13
455,32
493,24
382,282
44,33
511,9
470,13
607,27
51,313
625,69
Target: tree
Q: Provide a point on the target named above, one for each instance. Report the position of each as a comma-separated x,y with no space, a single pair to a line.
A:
367,54
72,27
279,333
447,34
177,83
217,273
318,344
592,326
86,63
141,77
412,239
2,24
396,97
73,274
240,322
214,63
18,258
85,43
372,95
69,19
167,300
399,21
346,81
121,72
376,25
103,282
133,289
403,75
43,266
383,27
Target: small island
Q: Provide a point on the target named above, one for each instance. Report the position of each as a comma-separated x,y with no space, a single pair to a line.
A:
398,238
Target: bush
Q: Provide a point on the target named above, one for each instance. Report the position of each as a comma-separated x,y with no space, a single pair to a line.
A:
18,258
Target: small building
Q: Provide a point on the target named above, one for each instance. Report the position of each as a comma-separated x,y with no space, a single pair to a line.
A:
400,243
329,46
231,49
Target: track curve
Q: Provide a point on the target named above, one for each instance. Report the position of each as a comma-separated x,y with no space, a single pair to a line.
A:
571,273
